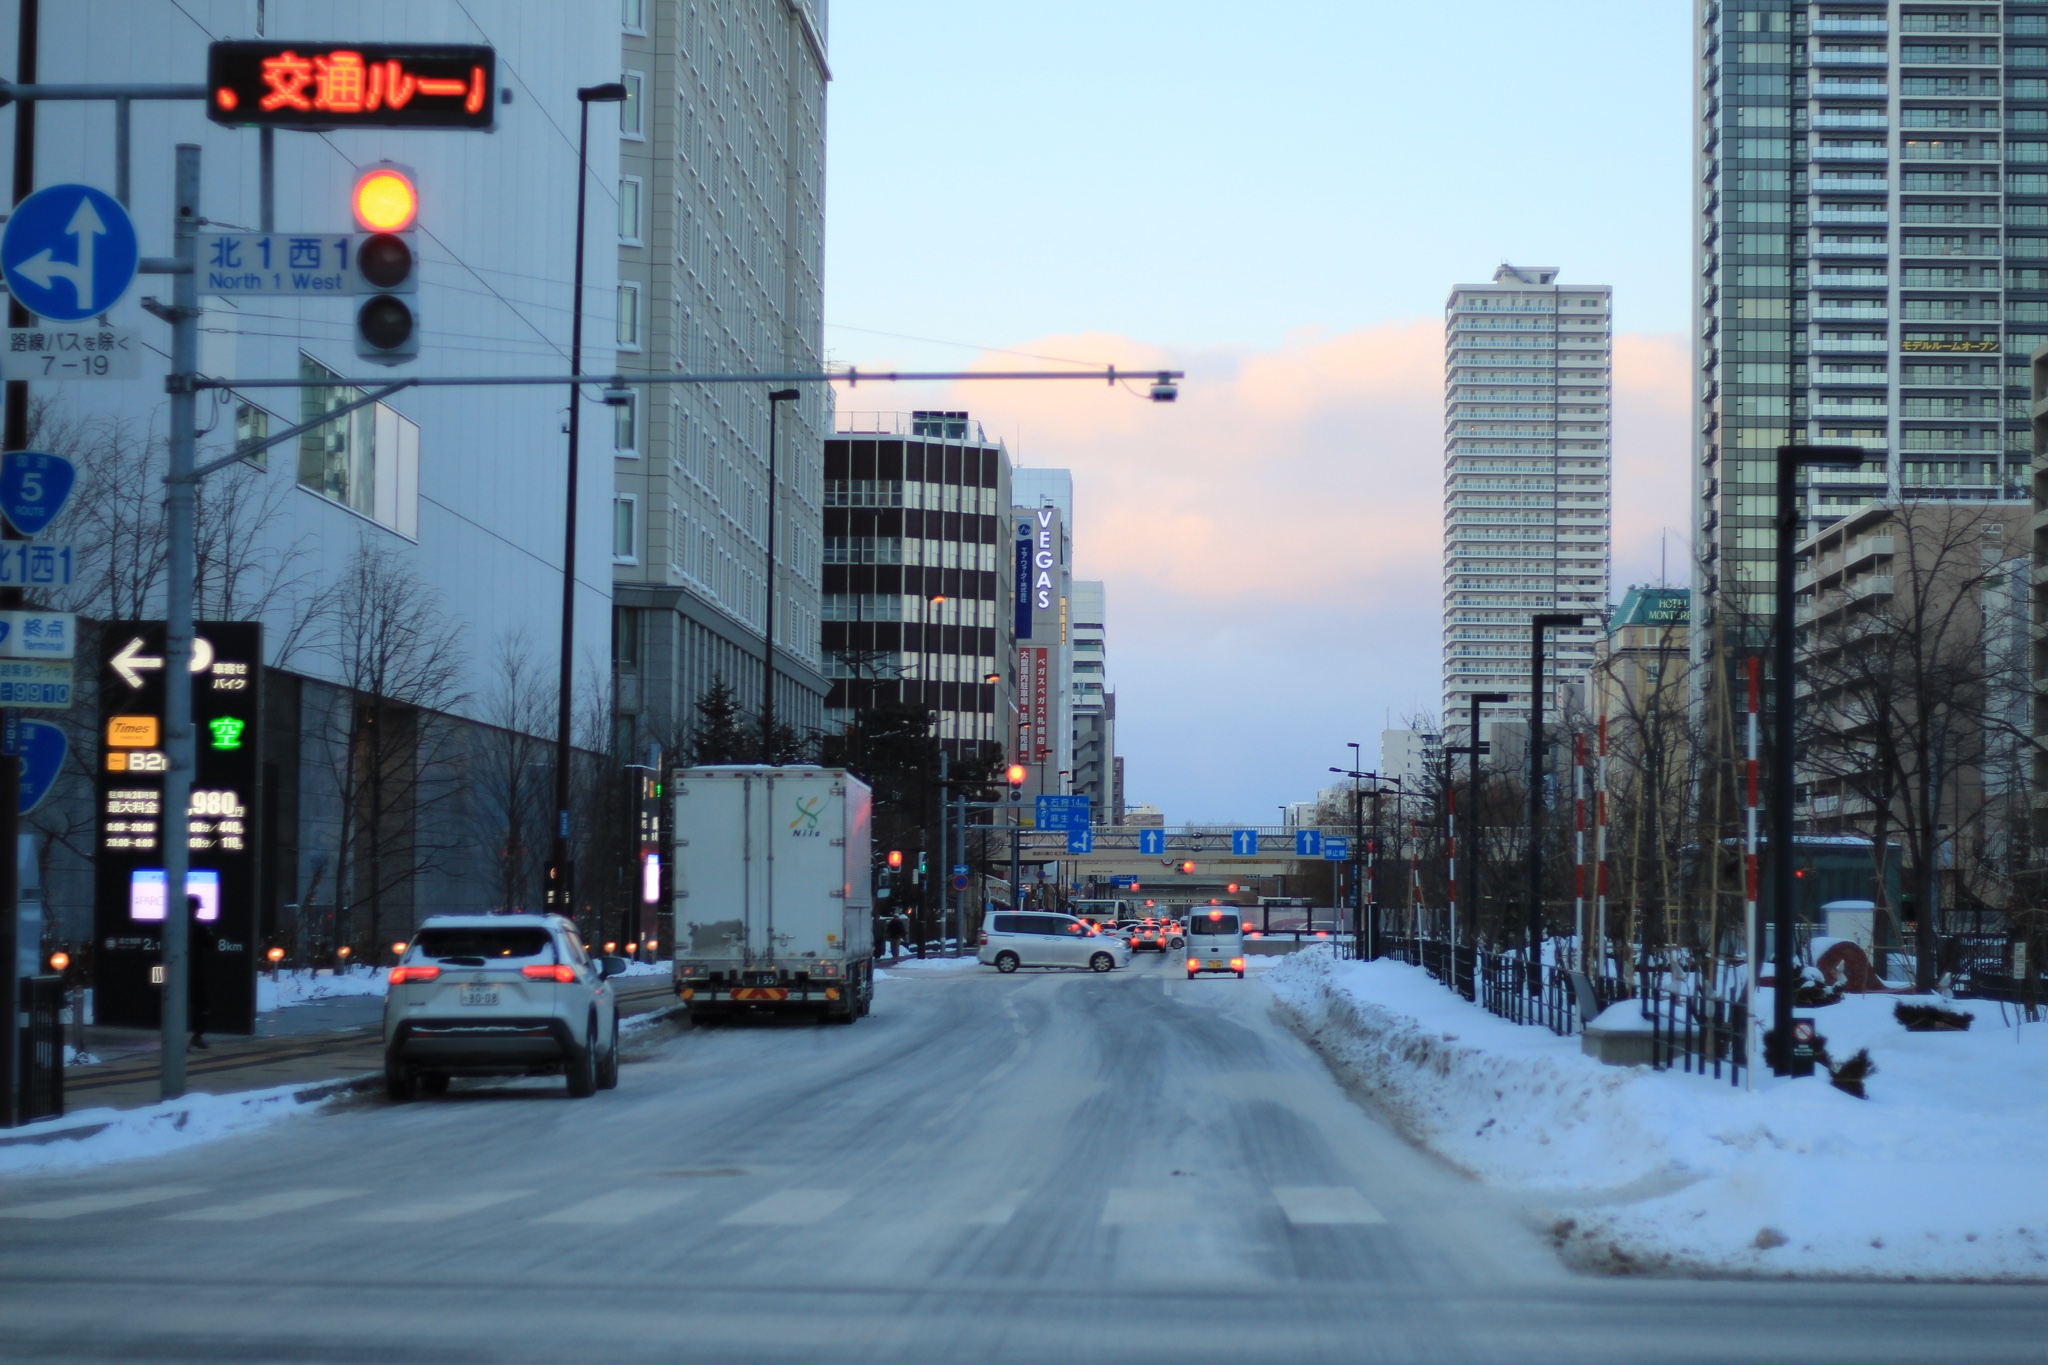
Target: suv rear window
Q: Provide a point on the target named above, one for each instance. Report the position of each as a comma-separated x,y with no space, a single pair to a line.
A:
482,945
1202,924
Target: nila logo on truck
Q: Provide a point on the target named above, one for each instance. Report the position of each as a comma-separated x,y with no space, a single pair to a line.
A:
805,826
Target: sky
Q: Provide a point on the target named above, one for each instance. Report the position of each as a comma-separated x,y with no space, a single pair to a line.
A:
1276,200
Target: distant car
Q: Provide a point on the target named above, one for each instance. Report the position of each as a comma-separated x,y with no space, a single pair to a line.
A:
1012,939
1148,935
500,995
1215,942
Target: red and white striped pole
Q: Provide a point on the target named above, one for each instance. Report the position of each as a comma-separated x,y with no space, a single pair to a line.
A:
1451,858
1579,845
1600,854
1415,881
1749,813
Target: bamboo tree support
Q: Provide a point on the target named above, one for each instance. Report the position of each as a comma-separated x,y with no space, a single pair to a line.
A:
1749,943
1579,848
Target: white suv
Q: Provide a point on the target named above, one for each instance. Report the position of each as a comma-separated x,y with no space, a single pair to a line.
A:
1011,939
500,995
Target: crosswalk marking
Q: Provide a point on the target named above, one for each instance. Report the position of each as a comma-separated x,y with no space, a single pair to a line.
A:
618,1206
1321,1205
101,1203
403,1210
263,1206
790,1207
1127,1206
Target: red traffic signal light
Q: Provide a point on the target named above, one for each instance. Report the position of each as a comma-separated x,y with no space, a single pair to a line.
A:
1188,867
1232,888
1016,774
895,858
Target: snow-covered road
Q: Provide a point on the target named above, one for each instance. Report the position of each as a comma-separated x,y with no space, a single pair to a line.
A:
1065,1168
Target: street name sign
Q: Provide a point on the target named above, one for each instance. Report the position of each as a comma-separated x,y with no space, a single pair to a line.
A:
1244,843
37,634
1336,849
314,86
34,488
30,564
69,252
34,683
303,263
60,353
1151,841
1308,843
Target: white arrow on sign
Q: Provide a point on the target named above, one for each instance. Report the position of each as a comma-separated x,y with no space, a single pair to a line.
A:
131,663
43,267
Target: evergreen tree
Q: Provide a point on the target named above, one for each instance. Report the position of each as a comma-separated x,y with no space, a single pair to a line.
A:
722,733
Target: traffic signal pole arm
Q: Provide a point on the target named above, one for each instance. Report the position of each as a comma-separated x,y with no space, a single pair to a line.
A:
850,376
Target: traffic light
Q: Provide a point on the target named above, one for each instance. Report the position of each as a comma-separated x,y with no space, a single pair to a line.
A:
1233,888
1188,867
384,264
895,858
1016,776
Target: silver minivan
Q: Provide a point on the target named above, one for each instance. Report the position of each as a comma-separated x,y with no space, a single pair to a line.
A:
1013,938
1215,941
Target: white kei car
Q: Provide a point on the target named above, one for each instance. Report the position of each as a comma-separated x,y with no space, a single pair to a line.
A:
500,995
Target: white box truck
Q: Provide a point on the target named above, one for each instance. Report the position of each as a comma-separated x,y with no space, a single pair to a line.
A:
774,898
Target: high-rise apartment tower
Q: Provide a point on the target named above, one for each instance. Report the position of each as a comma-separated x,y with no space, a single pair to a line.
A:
1528,400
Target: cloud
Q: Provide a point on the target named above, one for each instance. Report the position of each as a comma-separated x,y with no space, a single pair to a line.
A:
1272,542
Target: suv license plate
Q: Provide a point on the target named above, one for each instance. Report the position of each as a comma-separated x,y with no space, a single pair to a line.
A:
479,995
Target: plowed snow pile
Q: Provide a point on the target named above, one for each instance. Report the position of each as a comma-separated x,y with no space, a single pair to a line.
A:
1941,1174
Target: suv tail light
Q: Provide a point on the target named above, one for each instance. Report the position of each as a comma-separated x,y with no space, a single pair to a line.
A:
560,971
401,975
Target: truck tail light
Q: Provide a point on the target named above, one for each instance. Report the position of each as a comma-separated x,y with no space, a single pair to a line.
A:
560,971
401,975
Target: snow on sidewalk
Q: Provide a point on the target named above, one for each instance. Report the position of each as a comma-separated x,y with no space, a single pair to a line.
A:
289,988
109,1135
1936,1176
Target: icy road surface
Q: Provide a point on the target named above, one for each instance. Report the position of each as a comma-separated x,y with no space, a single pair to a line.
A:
1063,1168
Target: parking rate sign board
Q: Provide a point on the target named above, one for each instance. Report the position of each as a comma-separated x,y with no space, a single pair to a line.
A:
69,252
130,897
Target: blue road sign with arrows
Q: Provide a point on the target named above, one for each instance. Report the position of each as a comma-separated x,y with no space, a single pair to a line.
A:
34,488
1151,841
1081,840
1335,849
41,747
1244,843
1308,843
70,252
1063,812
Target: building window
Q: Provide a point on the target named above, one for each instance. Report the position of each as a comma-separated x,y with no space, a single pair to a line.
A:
630,117
367,460
629,210
633,15
625,637
629,317
625,428
625,524
252,424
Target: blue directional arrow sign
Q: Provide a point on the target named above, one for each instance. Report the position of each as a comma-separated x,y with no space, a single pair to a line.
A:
1080,840
1151,841
1308,843
69,252
1335,849
41,747
34,488
1244,843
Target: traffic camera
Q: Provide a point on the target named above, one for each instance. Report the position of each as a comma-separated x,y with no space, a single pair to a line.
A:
384,264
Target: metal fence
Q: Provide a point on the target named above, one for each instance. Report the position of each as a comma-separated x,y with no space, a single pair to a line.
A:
42,1048
1511,989
1698,1033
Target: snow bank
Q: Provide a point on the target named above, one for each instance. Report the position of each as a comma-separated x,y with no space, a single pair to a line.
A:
1936,1175
109,1135
884,968
303,987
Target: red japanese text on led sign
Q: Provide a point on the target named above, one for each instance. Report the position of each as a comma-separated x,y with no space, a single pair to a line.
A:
336,85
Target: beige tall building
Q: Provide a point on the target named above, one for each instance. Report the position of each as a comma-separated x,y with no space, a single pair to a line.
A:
721,197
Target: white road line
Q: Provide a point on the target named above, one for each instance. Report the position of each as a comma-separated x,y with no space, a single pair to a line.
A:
619,1206
1129,1206
994,1216
1321,1205
789,1207
402,1210
101,1203
263,1206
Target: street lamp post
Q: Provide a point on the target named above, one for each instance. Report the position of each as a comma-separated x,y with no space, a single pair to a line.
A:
1539,623
776,399
1479,699
1790,457
561,874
